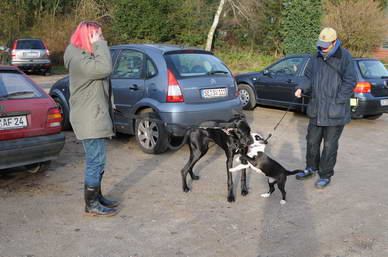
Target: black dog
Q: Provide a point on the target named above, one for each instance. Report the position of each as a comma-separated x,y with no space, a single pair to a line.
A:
233,136
258,161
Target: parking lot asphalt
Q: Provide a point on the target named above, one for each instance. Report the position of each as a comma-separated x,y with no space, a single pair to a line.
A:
42,214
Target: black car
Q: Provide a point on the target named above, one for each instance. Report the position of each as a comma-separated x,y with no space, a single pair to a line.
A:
275,86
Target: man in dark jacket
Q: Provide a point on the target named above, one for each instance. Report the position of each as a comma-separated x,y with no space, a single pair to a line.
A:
330,78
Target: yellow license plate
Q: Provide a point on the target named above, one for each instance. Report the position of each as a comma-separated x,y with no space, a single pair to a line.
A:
353,101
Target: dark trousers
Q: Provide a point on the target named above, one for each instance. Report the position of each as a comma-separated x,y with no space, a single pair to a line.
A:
326,160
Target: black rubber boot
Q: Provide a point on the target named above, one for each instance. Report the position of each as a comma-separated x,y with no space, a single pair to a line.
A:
104,201
92,205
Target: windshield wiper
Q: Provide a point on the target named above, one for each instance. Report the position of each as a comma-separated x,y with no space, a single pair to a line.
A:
217,72
384,77
17,94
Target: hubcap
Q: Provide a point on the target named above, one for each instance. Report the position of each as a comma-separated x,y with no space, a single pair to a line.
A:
244,97
148,134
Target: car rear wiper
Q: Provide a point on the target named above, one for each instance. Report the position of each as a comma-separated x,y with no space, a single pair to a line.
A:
17,94
217,72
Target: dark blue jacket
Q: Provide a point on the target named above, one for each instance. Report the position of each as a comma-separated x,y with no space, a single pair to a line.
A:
330,80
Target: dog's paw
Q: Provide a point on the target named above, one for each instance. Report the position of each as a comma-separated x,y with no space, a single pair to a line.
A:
186,189
244,192
283,202
231,198
265,195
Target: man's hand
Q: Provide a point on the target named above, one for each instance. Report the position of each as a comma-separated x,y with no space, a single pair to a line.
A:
298,93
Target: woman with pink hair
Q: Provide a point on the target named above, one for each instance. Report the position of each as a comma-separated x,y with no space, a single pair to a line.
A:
89,63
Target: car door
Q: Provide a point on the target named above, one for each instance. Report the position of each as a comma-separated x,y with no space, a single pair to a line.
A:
127,83
277,83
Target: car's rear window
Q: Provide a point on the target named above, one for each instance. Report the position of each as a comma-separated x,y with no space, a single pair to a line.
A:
197,64
372,69
30,44
15,86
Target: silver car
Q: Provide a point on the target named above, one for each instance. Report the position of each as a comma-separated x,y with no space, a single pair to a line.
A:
30,55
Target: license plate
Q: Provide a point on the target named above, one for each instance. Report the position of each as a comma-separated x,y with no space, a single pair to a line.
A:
353,101
214,92
31,55
384,102
13,122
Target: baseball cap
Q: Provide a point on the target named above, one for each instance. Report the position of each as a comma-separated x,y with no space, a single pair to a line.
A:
326,37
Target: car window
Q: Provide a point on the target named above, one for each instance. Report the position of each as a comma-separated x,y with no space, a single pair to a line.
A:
372,69
151,69
15,86
129,65
30,44
195,64
287,67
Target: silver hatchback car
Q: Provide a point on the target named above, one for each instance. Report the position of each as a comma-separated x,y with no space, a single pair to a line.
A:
30,55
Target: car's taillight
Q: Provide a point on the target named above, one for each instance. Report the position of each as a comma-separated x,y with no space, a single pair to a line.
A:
54,117
47,51
363,87
13,52
174,93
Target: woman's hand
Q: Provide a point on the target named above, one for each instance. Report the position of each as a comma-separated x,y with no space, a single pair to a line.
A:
95,36
298,93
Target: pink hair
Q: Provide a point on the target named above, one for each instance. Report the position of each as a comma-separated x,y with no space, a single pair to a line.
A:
80,37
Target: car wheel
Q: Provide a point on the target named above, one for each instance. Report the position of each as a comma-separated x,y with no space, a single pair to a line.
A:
38,167
64,112
373,117
151,136
247,97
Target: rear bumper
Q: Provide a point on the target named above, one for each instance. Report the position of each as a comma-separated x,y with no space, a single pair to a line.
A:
368,106
24,151
32,65
204,112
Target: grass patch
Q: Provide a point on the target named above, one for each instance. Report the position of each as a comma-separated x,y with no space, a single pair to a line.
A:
244,60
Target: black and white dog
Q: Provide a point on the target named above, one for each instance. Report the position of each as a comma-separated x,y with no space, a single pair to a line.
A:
258,161
234,138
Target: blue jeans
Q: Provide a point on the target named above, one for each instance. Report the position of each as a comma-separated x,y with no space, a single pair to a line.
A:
95,158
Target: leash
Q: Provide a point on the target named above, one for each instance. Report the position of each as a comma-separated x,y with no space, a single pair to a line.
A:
284,115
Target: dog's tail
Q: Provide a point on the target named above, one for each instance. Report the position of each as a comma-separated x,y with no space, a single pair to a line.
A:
289,173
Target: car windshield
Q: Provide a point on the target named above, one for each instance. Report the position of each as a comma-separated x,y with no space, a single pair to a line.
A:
30,44
197,64
372,69
15,86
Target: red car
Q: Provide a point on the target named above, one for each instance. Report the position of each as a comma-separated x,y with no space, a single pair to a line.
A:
30,123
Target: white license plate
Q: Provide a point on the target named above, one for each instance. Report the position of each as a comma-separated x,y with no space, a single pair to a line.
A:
384,102
31,55
14,122
353,101
214,92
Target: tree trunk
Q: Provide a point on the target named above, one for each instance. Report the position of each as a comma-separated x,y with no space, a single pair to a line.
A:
210,35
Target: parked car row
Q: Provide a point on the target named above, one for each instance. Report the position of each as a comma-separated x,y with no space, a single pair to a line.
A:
173,84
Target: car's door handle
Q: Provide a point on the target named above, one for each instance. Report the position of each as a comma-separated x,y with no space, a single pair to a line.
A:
134,87
290,81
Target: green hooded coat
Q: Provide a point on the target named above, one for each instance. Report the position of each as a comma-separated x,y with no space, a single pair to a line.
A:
90,106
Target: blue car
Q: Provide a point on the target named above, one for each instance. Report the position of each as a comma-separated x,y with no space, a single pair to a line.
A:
174,84
275,86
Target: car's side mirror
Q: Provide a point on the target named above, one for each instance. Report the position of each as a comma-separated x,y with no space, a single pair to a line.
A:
267,73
